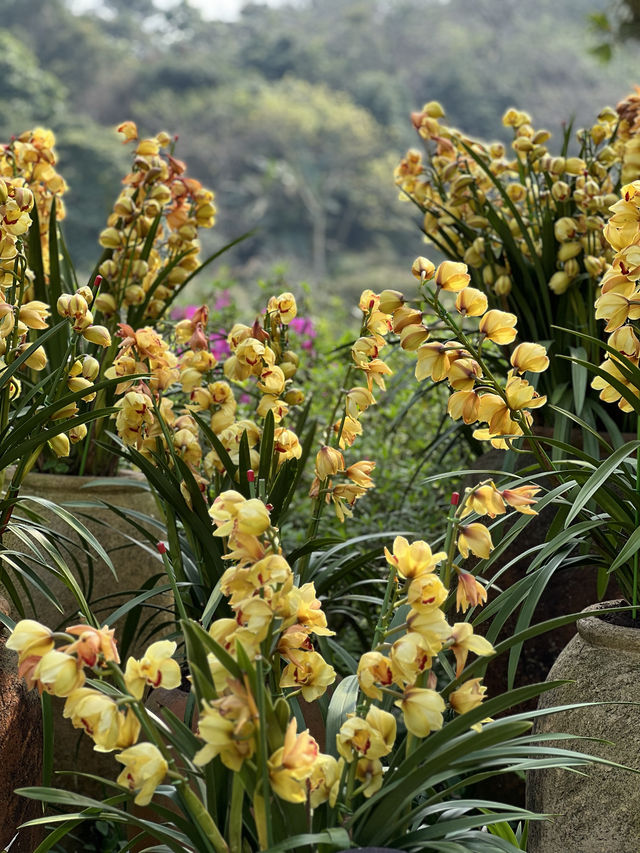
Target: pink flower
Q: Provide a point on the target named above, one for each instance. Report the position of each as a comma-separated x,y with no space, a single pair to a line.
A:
223,301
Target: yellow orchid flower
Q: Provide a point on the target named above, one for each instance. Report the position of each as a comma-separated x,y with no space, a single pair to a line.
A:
292,764
471,302
422,710
531,357
476,538
371,737
374,668
413,559
465,405
465,641
463,373
467,697
452,276
426,592
369,774
498,326
521,498
484,500
311,673
410,655
431,625
232,741
324,780
306,610
58,673
156,668
93,643
97,715
145,768
30,638
329,460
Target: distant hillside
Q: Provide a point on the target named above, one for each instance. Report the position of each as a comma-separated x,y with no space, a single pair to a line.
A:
294,115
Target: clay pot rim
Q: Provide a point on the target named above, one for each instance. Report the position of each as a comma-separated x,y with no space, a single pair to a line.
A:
598,632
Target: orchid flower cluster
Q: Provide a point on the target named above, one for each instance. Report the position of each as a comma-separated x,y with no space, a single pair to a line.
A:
260,372
112,723
28,163
160,203
350,405
619,300
29,184
478,396
27,179
248,669
260,364
464,184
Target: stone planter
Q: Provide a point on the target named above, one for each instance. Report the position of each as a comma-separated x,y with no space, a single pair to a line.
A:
134,566
599,812
20,751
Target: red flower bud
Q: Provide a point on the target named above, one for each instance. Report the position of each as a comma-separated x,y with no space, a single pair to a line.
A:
455,498
162,548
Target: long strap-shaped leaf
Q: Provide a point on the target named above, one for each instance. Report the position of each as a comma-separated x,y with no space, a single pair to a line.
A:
599,478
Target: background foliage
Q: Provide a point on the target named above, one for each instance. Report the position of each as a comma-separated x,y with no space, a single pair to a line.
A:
293,114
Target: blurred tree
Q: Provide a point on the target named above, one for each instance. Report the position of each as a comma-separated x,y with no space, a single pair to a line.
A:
29,95
294,114
618,23
301,161
93,162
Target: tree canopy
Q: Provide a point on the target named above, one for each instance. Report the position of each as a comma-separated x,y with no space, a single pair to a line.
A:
295,115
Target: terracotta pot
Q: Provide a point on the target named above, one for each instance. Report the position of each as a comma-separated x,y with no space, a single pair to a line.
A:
598,812
20,751
134,566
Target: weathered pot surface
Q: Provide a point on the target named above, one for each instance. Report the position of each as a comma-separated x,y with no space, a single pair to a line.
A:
133,565
20,751
73,750
597,812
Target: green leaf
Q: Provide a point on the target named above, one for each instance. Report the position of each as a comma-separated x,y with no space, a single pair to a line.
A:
55,285
209,644
177,841
312,545
266,446
132,603
244,461
47,738
579,376
34,252
83,532
599,477
342,702
17,363
202,266
627,551
334,838
229,466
